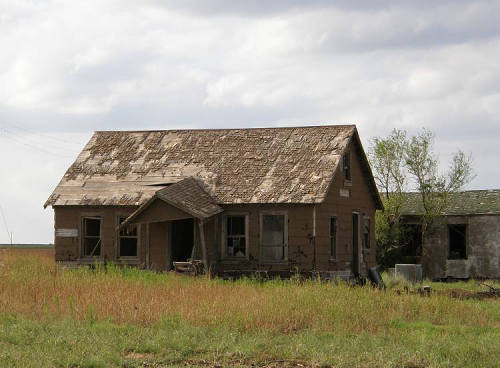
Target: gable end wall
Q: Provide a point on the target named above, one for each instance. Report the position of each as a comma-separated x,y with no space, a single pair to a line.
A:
361,201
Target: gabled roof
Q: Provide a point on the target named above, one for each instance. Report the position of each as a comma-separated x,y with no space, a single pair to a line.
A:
263,165
471,202
189,196
186,195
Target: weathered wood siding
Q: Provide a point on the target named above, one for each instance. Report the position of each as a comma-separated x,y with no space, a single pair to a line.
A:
159,238
306,252
360,200
161,211
68,249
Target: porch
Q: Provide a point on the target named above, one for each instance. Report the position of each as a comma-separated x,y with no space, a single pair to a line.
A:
175,219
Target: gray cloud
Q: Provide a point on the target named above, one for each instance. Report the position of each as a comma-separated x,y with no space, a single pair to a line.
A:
68,68
251,8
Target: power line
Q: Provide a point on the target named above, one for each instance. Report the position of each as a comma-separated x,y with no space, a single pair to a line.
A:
9,234
40,134
18,138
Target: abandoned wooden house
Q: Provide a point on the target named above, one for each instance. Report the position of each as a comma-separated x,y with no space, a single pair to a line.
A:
466,240
275,200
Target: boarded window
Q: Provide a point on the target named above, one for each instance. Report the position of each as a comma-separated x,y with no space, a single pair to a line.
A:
457,235
333,237
128,240
346,160
273,237
236,236
91,236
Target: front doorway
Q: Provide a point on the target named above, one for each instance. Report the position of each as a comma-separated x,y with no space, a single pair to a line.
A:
355,244
182,240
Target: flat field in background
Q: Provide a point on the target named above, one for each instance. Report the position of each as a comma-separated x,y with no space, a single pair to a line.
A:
113,317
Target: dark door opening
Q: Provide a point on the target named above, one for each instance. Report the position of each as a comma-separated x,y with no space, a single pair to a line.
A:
412,242
182,239
355,244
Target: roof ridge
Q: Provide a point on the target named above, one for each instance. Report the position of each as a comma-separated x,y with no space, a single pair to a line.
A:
229,129
463,191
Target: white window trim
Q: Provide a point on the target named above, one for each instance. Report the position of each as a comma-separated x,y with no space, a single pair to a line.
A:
282,213
118,255
335,256
97,216
224,235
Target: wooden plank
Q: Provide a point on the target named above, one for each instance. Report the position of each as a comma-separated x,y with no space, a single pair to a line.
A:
203,245
66,233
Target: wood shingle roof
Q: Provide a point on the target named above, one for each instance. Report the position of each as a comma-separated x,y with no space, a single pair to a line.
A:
263,165
470,202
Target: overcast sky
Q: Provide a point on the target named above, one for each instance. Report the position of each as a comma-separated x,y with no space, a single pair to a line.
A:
68,68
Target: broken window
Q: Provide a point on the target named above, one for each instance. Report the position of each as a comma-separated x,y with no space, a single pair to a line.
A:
366,233
346,160
91,237
127,241
333,237
273,237
236,236
457,241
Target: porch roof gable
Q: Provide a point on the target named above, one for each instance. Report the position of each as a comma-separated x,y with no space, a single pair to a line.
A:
186,195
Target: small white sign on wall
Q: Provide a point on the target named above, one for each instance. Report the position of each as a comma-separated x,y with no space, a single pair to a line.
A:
67,233
345,193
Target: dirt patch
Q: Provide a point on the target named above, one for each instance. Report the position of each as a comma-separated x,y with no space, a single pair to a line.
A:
246,363
138,356
452,293
148,361
465,294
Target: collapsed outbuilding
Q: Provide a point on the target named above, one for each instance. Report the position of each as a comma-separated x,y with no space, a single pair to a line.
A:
465,241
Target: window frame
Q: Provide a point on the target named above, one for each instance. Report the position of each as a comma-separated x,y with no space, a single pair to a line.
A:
224,235
333,257
118,239
346,166
91,216
283,213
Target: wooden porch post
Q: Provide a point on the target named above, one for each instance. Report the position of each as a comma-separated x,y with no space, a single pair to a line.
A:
314,237
147,246
203,245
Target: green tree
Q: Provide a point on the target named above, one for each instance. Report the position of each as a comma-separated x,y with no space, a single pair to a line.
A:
397,162
434,188
387,157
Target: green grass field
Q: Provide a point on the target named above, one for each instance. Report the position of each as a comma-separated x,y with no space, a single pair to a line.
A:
26,246
115,317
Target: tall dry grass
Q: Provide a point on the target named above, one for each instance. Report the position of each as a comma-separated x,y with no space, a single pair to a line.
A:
32,285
